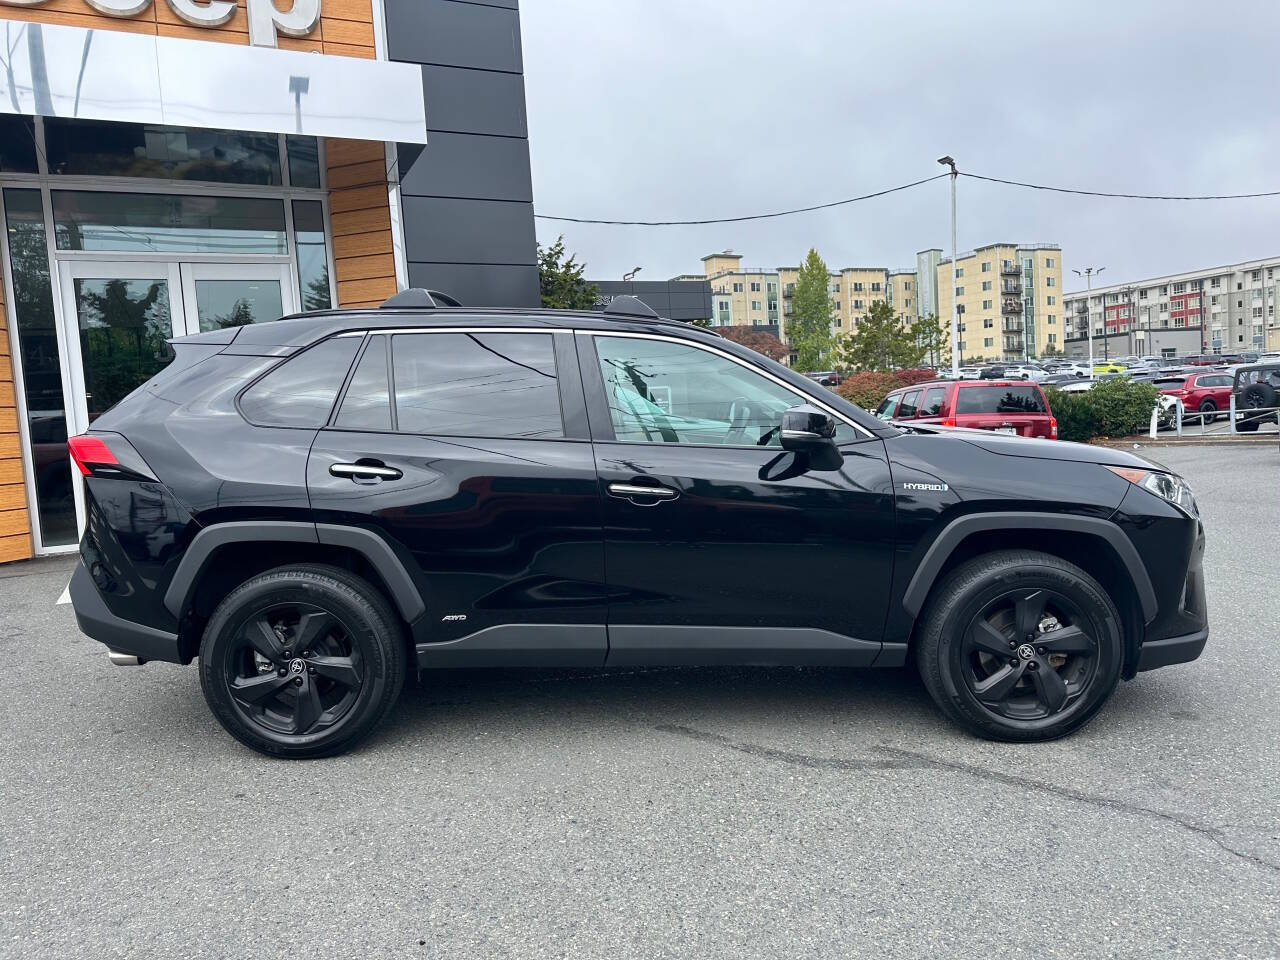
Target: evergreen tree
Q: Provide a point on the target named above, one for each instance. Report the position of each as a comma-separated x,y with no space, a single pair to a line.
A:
880,343
809,326
561,281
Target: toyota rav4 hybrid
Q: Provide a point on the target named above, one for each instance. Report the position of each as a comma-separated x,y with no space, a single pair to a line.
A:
315,506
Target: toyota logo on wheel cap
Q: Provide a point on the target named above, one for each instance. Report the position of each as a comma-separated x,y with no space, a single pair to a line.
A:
1026,651
297,666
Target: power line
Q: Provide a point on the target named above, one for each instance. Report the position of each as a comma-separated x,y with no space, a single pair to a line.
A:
754,216
1126,196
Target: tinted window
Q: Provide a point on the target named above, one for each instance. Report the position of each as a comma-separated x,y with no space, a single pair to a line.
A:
910,403
1171,383
300,392
999,400
477,384
663,392
17,144
1214,382
367,404
887,407
932,406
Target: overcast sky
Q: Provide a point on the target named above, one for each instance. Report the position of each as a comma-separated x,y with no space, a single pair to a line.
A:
683,109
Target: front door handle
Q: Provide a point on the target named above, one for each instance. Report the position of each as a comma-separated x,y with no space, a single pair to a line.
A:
629,491
365,471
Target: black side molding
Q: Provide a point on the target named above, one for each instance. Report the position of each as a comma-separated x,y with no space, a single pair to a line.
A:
376,550
960,528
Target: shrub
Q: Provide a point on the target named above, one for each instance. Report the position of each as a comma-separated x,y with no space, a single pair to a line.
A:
1113,408
868,388
914,375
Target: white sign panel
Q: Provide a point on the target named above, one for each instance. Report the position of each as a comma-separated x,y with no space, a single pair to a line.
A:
58,71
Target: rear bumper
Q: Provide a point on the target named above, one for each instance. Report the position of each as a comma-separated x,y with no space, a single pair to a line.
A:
1162,653
97,622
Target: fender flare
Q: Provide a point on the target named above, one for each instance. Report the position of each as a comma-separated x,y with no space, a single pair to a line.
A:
957,530
379,553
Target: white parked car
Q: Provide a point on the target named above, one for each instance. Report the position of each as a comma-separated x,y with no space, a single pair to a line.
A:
970,373
1024,373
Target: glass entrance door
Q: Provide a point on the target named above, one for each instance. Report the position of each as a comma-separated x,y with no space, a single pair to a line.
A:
220,295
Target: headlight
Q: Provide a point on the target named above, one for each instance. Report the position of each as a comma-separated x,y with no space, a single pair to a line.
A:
1167,486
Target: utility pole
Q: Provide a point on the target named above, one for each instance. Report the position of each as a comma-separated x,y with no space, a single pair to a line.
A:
1088,307
955,276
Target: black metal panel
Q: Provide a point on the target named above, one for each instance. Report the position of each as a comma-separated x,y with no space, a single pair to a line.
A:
474,101
480,285
674,299
440,229
455,34
467,166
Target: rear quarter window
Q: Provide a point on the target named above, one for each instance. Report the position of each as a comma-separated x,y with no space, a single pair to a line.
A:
300,391
1012,399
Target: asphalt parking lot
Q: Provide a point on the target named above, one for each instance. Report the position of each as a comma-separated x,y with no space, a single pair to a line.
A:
665,813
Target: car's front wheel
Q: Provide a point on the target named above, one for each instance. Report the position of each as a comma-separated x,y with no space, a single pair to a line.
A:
1019,645
302,661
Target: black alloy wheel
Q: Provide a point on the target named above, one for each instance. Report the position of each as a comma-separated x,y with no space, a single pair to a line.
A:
293,669
302,661
1019,645
1029,654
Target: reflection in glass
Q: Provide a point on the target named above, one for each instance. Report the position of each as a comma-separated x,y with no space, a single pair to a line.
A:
102,149
138,222
41,368
313,260
17,144
124,326
304,161
234,303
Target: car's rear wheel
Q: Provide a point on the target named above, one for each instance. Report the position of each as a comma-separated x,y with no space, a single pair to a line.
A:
302,661
1210,411
1019,645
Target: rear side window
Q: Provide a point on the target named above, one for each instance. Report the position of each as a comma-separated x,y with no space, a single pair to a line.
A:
300,392
909,404
999,400
367,404
476,385
1218,381
932,405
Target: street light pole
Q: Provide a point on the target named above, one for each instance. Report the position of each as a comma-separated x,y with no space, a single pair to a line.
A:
1088,309
955,276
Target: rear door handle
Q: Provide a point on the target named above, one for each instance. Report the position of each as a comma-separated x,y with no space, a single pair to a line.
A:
628,491
365,471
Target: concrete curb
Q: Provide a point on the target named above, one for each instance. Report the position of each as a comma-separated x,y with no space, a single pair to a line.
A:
1228,441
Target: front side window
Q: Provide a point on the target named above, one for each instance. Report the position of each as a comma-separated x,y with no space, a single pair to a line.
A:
910,405
477,385
300,392
663,392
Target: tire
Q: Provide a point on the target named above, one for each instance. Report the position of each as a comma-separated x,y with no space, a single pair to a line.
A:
958,658
304,703
1257,396
1246,425
1210,409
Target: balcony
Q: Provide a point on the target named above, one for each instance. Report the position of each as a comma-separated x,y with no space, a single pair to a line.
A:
1011,326
1013,345
1010,288
1010,268
1011,307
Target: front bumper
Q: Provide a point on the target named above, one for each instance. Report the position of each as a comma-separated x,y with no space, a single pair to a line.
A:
97,622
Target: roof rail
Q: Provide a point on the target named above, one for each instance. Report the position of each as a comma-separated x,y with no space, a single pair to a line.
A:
421,298
629,306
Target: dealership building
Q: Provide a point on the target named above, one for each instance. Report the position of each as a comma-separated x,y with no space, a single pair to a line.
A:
174,166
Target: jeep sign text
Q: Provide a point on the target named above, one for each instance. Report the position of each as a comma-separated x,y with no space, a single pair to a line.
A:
265,21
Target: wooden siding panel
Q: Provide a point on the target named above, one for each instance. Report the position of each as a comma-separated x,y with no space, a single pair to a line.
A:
366,268
15,548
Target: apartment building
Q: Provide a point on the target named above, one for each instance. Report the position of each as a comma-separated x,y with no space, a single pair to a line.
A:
1009,297
902,295
1226,309
741,296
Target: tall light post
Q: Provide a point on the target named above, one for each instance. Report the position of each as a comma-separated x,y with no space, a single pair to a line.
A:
1088,306
955,276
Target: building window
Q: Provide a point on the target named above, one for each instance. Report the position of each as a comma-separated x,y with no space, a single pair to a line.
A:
986,304
875,288
1050,263
755,286
1142,294
1048,281
835,287
959,271
1215,283
737,288
856,304
988,323
755,304
837,304
986,284
1255,276
1179,288
988,341
1051,319
959,291
986,266
857,287
313,260
1053,338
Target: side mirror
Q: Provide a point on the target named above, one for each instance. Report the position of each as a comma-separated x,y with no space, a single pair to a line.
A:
807,429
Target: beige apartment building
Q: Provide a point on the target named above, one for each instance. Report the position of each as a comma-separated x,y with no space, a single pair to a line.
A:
741,296
902,292
1010,299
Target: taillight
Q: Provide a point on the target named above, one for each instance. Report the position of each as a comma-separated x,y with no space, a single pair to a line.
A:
108,455
948,421
1053,428
88,452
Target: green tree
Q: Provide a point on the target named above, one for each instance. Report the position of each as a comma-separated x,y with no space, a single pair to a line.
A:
880,343
809,326
933,338
561,281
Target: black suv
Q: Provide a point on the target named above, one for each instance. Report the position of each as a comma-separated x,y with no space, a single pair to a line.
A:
1257,390
316,505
